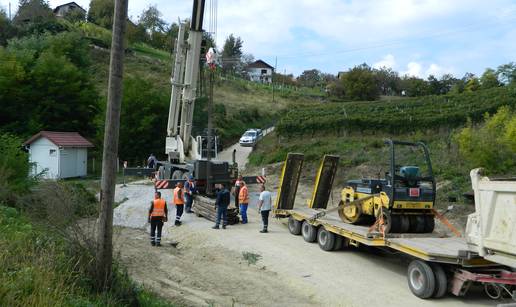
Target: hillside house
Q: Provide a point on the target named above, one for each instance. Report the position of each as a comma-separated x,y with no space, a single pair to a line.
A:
259,71
58,154
63,9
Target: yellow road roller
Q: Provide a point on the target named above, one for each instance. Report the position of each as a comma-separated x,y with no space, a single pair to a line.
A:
404,199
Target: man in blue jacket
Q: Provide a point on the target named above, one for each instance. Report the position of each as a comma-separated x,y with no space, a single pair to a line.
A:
190,190
222,203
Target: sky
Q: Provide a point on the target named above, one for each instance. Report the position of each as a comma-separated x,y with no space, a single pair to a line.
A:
414,37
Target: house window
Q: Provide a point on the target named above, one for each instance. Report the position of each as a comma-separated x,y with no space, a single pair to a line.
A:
52,152
264,71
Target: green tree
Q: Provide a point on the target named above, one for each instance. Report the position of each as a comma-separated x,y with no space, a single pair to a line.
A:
414,86
101,13
472,85
360,83
491,145
144,118
151,20
7,29
75,16
388,81
14,168
310,78
33,11
507,73
232,53
489,79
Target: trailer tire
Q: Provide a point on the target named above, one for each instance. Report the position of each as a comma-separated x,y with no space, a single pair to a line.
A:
294,226
441,281
421,279
338,243
309,232
325,239
404,223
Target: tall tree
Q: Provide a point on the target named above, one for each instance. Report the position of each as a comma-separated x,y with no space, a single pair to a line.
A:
151,20
33,11
388,81
232,53
310,78
101,13
360,83
104,253
489,79
507,73
414,86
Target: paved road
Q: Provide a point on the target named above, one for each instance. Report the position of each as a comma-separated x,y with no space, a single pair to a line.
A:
242,153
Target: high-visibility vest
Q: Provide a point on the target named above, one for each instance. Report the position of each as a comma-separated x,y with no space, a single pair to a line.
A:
177,199
243,195
158,207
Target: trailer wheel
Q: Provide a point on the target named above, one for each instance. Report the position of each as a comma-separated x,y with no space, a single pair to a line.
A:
429,223
421,279
338,242
441,281
294,226
309,232
177,174
417,223
326,239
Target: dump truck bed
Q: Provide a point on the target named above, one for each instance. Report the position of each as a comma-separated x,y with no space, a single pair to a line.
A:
428,247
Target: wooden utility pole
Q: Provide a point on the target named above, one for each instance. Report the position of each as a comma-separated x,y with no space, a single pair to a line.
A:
104,256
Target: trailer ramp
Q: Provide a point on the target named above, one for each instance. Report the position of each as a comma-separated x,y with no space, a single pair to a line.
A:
288,184
324,182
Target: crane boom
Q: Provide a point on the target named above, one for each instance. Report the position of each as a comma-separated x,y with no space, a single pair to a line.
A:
179,142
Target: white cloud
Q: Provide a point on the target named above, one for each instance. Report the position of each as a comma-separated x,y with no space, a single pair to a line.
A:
387,61
413,69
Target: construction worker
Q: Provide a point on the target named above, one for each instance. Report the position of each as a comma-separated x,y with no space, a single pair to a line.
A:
237,190
265,206
222,203
190,189
179,201
243,199
151,161
158,213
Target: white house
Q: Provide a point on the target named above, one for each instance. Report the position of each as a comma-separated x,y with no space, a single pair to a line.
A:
58,154
259,71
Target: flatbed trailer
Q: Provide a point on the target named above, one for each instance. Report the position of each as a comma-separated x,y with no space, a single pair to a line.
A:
439,264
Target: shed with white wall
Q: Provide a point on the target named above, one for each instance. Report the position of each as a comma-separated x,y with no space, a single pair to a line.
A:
58,155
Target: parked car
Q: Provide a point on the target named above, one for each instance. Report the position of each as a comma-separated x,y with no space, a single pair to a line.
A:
250,137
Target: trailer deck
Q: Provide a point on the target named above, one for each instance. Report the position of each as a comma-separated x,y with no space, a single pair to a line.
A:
429,247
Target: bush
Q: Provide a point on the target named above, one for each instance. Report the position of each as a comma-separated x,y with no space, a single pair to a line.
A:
14,168
491,145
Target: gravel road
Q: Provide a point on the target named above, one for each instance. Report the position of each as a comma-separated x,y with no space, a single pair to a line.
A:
208,268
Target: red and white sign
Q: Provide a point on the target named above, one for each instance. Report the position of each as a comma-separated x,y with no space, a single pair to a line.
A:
414,192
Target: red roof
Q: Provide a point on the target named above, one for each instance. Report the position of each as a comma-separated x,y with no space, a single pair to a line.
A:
64,139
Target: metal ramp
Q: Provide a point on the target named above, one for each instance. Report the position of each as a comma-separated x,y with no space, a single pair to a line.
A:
288,184
324,182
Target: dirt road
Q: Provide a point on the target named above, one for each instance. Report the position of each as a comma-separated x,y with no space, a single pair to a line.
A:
208,267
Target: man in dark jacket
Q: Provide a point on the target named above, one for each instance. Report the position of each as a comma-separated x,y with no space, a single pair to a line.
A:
222,203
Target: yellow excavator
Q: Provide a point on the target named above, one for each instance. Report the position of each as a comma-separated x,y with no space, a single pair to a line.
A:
403,200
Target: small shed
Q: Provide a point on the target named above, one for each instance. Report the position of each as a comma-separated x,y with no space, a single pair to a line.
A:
259,71
58,154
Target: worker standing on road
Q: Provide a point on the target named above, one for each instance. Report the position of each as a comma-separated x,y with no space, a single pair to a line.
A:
158,213
265,206
222,203
243,199
179,201
190,189
151,161
237,190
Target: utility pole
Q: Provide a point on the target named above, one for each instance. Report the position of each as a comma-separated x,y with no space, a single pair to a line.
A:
210,138
104,255
272,78
10,11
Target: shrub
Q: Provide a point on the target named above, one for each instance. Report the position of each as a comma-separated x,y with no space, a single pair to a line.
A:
492,144
14,168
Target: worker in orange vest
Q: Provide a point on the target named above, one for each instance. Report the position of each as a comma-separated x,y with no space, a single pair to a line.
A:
179,201
243,199
158,213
